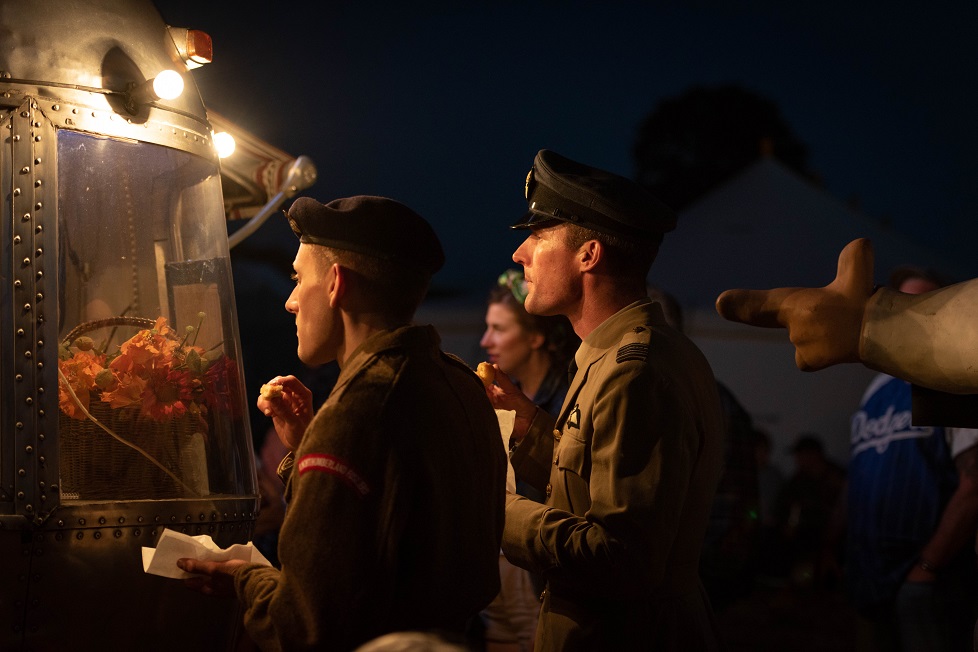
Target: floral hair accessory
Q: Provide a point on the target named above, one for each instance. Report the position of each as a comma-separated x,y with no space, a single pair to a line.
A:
513,279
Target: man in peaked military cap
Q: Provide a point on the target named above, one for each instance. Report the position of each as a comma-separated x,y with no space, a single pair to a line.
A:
631,464
396,493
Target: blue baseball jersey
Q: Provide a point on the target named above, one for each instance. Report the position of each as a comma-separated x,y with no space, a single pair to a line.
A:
900,479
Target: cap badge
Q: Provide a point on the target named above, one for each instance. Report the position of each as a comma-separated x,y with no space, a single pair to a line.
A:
526,188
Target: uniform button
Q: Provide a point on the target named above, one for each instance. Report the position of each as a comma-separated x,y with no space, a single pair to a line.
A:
557,434
549,489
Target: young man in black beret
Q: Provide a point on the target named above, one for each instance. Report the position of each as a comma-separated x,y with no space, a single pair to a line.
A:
395,498
631,464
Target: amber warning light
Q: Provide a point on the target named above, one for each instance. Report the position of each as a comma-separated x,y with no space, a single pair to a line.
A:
194,46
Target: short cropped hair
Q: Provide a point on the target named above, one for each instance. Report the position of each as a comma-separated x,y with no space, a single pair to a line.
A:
390,288
631,257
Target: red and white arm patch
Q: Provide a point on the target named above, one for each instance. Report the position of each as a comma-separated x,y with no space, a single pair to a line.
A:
334,466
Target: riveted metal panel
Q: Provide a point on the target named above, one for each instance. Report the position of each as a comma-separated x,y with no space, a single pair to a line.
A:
94,542
34,313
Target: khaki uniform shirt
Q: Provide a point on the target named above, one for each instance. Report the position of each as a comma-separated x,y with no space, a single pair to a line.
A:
629,468
395,505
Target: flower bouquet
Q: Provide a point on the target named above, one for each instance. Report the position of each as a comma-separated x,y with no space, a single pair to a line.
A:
135,419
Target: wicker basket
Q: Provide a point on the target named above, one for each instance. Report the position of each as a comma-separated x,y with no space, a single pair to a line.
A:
119,454
97,466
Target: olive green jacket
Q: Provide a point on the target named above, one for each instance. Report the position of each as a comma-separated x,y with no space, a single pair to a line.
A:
395,505
630,468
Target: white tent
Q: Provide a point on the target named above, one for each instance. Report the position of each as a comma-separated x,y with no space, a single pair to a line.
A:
768,227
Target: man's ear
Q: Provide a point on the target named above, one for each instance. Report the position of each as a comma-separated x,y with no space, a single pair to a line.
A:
590,254
338,284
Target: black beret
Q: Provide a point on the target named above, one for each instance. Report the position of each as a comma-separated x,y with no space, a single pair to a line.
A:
374,226
558,188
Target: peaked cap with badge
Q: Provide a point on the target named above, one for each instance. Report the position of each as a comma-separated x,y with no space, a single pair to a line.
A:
373,226
558,188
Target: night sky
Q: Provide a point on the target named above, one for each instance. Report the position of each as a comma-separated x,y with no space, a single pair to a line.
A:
442,105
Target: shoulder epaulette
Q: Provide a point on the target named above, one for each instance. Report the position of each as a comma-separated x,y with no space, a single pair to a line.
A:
634,345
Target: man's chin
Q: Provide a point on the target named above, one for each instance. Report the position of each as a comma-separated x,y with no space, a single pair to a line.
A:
534,308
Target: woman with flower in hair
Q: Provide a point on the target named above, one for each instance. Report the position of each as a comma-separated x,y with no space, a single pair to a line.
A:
534,352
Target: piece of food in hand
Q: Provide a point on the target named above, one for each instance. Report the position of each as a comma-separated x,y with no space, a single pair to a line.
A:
270,391
486,373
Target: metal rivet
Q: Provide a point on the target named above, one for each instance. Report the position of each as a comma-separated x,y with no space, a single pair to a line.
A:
97,535
37,161
16,192
20,331
38,206
27,354
16,239
101,520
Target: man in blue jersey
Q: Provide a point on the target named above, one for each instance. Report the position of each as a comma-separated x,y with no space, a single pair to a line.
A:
912,516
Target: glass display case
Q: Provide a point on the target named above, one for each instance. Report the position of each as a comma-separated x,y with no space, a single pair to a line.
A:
149,392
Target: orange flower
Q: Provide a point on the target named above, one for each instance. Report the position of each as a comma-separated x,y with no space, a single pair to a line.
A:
146,350
125,390
80,371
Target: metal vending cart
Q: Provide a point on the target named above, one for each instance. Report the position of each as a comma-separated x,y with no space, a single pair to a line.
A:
123,407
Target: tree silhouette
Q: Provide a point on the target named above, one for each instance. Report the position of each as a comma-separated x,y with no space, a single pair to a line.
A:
690,143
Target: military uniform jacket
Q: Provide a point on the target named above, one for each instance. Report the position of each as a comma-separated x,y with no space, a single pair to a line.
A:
395,505
630,468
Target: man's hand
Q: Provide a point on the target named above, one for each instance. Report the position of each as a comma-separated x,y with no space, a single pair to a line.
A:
825,323
291,411
504,395
215,577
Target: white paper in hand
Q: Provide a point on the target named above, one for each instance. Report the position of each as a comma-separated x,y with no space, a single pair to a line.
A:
506,420
173,545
